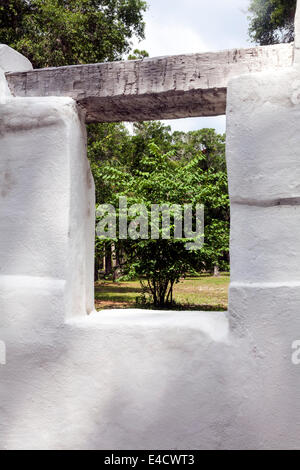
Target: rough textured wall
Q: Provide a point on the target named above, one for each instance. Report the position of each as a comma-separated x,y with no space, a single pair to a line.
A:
141,379
263,158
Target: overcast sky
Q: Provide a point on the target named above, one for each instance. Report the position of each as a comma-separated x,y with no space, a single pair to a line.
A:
185,26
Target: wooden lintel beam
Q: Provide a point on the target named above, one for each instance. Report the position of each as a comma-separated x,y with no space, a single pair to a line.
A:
160,88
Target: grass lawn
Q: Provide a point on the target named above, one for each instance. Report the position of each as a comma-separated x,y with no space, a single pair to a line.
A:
194,293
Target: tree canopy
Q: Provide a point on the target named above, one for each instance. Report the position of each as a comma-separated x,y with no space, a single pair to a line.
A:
272,21
156,166
52,33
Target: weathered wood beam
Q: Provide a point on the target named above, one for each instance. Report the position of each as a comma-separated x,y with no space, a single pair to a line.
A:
160,88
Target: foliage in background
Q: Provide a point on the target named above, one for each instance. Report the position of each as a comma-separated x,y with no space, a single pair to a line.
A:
154,166
138,55
272,21
52,33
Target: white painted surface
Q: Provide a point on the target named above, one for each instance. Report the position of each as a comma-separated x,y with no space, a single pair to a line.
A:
12,61
265,243
97,383
297,36
263,155
263,158
47,212
5,93
141,379
214,325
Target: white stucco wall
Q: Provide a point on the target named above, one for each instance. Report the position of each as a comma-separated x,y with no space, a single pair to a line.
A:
138,379
263,158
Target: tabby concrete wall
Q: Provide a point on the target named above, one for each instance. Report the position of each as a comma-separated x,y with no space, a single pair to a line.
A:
138,379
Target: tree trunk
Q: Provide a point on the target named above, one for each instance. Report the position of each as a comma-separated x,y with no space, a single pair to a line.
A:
97,266
108,260
216,271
